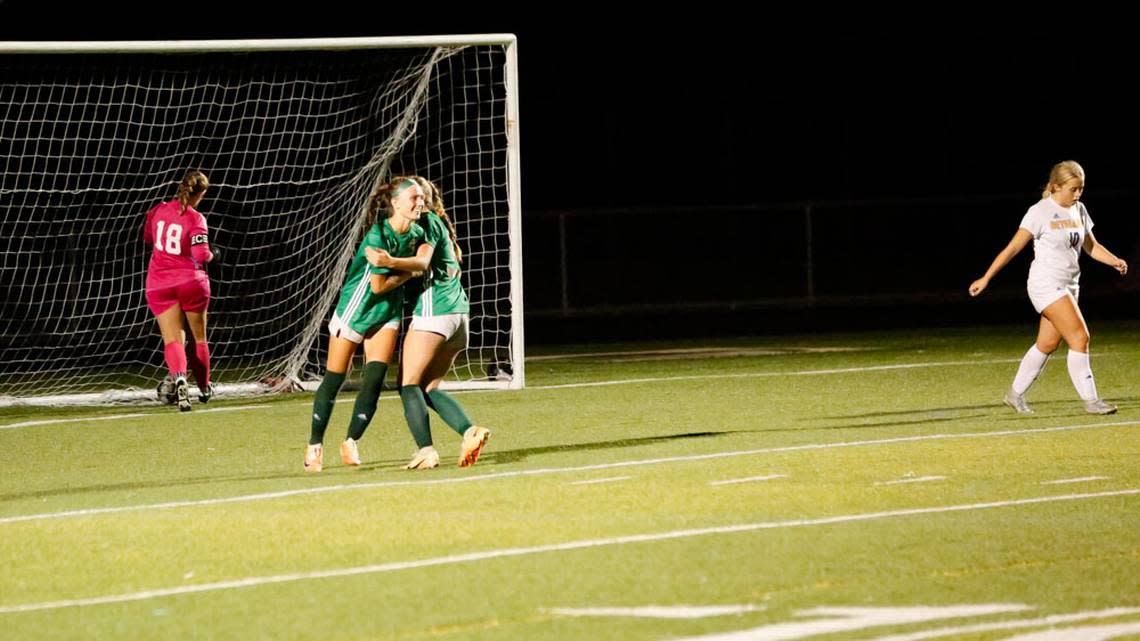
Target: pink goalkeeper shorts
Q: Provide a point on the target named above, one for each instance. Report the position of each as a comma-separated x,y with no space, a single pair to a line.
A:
192,295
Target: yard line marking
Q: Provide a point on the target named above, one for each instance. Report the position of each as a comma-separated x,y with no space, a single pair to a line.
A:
583,544
606,480
846,619
554,470
1052,619
658,379
749,479
660,611
915,479
1080,479
1102,632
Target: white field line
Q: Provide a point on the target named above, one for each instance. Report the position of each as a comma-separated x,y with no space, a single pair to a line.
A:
749,479
555,470
115,417
705,351
916,479
809,372
470,557
631,381
1080,479
660,611
1053,619
696,353
606,480
1103,632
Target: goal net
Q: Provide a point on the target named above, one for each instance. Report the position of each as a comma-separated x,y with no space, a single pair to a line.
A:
293,135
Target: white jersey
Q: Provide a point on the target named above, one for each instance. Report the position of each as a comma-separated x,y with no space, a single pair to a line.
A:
1058,235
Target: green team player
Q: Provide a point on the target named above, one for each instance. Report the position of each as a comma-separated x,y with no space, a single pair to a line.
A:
369,312
437,334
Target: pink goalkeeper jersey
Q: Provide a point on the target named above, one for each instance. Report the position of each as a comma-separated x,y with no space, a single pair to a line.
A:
179,245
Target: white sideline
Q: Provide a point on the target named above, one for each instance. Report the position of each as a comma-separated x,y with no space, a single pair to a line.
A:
658,379
553,470
394,566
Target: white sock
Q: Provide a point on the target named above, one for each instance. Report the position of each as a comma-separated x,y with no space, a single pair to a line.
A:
1031,365
1080,370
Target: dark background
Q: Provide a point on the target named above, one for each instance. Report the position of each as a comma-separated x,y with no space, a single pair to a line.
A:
705,172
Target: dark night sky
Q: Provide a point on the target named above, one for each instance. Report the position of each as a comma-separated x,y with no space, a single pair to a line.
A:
701,110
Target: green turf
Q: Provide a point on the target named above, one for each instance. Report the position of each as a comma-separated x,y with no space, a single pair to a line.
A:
843,423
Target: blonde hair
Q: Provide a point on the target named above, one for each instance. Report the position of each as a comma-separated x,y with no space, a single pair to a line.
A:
436,205
193,184
1062,173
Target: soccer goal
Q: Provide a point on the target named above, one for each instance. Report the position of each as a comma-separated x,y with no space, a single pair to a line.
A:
293,135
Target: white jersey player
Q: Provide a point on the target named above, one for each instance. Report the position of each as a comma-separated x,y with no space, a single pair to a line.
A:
1060,227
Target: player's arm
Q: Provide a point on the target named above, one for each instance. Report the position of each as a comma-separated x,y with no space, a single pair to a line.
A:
200,248
1018,243
1101,254
384,283
417,263
200,242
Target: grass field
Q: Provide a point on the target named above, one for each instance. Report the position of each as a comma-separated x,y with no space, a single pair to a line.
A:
863,486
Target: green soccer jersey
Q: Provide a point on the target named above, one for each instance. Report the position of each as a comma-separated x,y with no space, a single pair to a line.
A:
359,308
443,293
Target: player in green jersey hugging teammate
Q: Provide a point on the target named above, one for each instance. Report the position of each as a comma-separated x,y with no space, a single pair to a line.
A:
437,334
369,311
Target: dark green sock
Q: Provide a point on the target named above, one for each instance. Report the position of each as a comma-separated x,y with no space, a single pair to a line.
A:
415,411
323,405
449,410
365,407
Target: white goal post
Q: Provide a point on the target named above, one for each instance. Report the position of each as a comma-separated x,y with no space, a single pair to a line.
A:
293,135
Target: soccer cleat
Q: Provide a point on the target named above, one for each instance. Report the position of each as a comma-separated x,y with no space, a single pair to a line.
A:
181,390
473,441
165,391
1017,402
314,458
205,396
425,459
349,455
1097,406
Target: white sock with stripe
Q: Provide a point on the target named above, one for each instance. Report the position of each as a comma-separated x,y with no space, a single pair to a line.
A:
1080,370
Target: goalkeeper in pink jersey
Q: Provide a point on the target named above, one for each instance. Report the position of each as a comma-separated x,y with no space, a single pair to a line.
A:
177,286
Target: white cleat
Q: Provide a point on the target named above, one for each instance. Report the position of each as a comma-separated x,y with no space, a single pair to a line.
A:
1017,402
349,454
1097,406
425,459
314,458
182,391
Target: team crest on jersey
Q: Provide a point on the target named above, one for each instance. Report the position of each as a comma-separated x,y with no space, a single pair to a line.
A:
198,239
